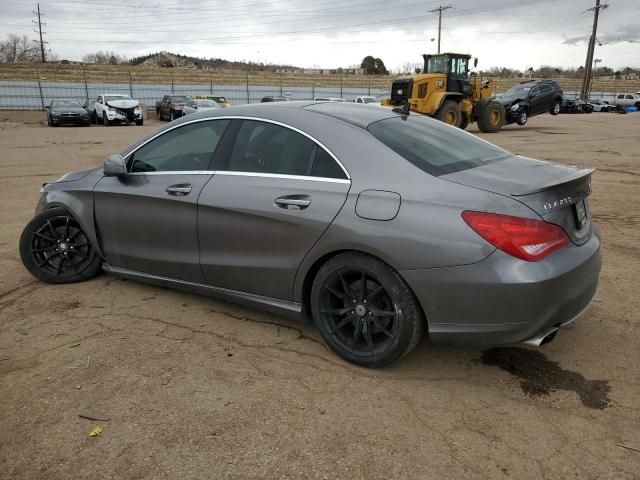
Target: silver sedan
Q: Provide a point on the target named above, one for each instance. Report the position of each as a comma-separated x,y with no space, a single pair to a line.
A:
373,224
193,106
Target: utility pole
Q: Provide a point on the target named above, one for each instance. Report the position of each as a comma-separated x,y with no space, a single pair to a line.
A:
584,92
40,15
440,9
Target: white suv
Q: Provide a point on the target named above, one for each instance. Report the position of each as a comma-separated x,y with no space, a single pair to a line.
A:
627,100
115,107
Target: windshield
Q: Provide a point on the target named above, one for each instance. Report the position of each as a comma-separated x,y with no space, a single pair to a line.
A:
207,103
179,98
109,98
438,64
66,104
517,91
219,99
435,147
369,100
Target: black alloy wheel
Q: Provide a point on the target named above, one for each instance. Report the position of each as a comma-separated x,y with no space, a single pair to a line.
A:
365,311
55,248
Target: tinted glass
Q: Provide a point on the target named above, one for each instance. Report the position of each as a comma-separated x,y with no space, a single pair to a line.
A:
66,104
325,166
545,89
433,146
184,148
179,98
268,148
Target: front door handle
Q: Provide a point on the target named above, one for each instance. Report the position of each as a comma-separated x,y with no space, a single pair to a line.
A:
293,202
179,190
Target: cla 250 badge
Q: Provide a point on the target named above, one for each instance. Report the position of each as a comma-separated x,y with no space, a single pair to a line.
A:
556,204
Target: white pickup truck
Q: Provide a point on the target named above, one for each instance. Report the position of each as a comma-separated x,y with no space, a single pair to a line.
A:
627,100
114,107
367,100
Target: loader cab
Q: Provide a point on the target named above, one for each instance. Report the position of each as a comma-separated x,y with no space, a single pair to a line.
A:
454,66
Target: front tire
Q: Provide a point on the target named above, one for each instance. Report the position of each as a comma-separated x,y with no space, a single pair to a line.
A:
491,117
55,249
172,116
140,122
450,113
523,117
365,311
105,120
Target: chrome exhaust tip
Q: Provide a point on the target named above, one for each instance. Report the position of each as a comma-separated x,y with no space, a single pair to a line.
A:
542,339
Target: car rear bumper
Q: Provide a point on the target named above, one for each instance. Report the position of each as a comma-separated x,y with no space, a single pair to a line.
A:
503,300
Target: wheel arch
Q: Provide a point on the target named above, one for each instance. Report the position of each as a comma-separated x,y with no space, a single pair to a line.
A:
79,211
304,289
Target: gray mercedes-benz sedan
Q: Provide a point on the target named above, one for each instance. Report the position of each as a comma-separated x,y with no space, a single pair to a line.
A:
372,223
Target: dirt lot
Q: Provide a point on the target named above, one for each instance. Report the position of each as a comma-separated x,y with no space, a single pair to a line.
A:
196,388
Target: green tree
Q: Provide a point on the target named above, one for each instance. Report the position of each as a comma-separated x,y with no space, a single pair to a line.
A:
373,66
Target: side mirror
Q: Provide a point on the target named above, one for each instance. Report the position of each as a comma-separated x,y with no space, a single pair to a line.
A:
475,62
114,166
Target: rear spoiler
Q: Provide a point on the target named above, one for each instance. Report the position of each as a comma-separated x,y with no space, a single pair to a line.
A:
572,177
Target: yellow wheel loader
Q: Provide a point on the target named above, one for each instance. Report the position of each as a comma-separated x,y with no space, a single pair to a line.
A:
447,91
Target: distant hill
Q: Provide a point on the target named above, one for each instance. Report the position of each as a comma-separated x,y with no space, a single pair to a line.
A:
175,60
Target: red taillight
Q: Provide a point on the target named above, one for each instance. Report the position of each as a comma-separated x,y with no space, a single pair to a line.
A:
530,240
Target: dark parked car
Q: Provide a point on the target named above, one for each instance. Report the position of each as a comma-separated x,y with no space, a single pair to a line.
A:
575,106
66,111
170,107
531,98
274,99
371,223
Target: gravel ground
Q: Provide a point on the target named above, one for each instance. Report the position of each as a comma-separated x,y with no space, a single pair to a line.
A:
187,387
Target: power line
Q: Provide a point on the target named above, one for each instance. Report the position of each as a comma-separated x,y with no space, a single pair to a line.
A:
440,9
39,22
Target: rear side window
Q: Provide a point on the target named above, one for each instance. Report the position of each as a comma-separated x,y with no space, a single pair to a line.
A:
185,148
435,147
267,148
263,147
325,166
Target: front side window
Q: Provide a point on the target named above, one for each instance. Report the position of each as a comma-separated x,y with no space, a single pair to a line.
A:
189,147
435,147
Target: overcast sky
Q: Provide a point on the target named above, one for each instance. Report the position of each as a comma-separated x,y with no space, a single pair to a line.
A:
334,33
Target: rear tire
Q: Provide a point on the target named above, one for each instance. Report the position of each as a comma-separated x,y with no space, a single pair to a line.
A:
491,118
450,113
55,249
371,323
555,108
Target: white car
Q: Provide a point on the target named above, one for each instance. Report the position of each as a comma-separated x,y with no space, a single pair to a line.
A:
627,100
115,107
367,100
328,99
199,105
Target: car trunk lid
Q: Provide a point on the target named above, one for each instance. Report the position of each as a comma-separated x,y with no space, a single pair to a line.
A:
558,193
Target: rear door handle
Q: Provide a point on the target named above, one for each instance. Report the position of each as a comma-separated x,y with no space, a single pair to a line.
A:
179,190
293,202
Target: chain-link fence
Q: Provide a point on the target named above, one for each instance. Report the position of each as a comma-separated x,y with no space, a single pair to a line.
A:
30,95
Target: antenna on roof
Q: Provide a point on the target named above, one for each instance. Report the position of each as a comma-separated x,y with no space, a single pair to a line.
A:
405,109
